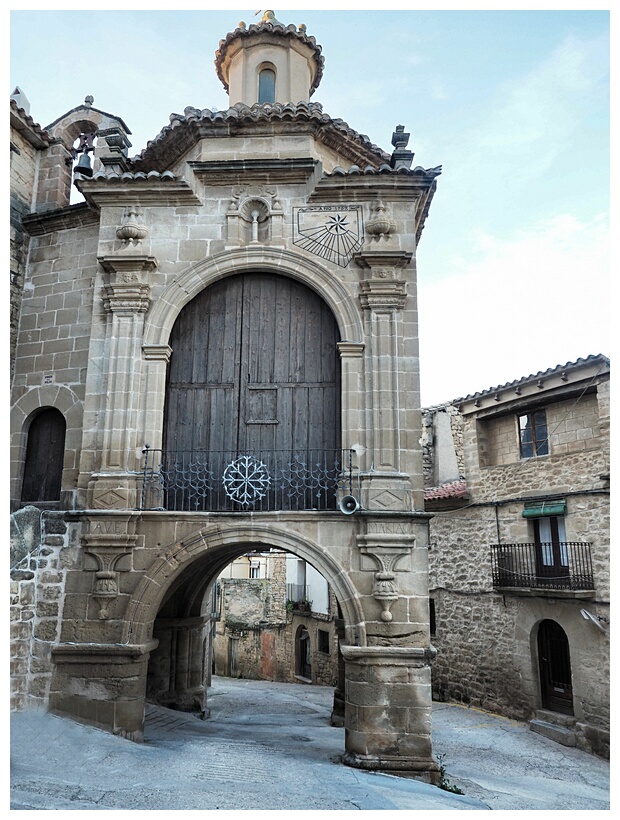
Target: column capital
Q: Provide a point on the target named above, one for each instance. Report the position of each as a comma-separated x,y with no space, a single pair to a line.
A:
127,264
383,294
126,297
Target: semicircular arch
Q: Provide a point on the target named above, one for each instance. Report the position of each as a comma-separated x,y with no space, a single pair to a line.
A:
166,568
200,275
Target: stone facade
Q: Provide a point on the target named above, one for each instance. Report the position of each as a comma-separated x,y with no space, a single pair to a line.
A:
277,190
257,631
486,627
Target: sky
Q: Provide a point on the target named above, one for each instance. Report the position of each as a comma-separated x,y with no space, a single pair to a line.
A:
513,263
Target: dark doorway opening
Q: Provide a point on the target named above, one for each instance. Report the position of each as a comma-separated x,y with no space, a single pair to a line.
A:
555,668
45,452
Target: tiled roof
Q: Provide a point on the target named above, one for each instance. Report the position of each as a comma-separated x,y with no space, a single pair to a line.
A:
540,375
127,176
35,128
452,489
241,114
355,170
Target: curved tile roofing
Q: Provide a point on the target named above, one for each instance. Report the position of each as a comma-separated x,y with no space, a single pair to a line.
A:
451,489
240,113
540,375
36,129
127,176
270,24
385,168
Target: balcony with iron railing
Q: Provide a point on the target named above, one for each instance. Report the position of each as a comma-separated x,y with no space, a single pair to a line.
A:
257,481
559,567
298,597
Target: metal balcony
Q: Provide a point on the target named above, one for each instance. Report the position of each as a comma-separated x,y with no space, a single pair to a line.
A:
565,565
259,481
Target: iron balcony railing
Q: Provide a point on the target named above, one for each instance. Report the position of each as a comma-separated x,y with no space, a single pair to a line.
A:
299,596
565,565
258,481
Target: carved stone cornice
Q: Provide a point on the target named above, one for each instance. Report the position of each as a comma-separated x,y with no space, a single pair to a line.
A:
372,260
127,263
383,294
157,353
254,171
351,350
126,297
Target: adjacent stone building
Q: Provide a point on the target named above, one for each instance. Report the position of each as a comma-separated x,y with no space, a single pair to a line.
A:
216,352
518,482
269,627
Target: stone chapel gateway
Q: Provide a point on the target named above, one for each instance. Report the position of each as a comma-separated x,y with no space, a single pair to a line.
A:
216,352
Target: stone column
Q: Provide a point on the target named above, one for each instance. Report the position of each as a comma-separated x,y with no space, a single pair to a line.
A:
177,667
382,295
338,709
126,299
388,710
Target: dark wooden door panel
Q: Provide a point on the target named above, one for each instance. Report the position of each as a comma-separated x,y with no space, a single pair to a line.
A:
44,457
254,370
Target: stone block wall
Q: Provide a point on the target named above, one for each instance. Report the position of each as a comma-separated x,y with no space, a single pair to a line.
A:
572,427
255,619
37,589
23,156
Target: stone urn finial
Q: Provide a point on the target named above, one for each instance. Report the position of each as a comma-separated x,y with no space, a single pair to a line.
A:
380,225
132,230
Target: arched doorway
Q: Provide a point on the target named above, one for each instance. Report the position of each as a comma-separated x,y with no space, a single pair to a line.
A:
304,653
555,669
44,458
252,412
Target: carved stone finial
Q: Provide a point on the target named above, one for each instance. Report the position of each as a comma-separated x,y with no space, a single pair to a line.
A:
132,230
401,157
88,101
385,593
268,17
399,138
380,223
302,28
241,24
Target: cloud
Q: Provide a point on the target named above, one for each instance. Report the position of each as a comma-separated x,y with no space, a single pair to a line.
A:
537,113
515,307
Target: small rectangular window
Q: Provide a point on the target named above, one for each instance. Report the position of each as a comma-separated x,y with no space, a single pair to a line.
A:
533,437
433,622
323,641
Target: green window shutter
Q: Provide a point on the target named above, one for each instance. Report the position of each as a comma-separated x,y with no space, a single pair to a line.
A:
546,508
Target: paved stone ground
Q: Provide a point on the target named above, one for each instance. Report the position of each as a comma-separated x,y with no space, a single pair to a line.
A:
270,746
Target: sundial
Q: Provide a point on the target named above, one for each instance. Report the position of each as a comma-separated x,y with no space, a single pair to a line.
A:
333,232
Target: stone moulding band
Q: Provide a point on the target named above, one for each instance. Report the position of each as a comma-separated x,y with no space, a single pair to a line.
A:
80,652
395,655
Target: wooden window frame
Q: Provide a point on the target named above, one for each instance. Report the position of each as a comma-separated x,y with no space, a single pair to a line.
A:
539,444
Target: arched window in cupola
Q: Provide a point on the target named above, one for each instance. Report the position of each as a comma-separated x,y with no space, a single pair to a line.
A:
266,85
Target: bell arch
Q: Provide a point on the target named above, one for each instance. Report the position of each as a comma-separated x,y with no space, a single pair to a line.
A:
221,544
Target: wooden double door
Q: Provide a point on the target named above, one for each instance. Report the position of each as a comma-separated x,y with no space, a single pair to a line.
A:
254,374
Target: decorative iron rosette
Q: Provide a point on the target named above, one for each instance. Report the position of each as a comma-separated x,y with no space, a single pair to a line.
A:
246,480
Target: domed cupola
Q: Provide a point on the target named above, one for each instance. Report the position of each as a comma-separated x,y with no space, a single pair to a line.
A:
269,62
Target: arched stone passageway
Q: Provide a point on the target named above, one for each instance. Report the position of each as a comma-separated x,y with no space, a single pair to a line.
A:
179,668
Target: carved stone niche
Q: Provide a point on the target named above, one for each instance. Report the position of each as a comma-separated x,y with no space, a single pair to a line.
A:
254,218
